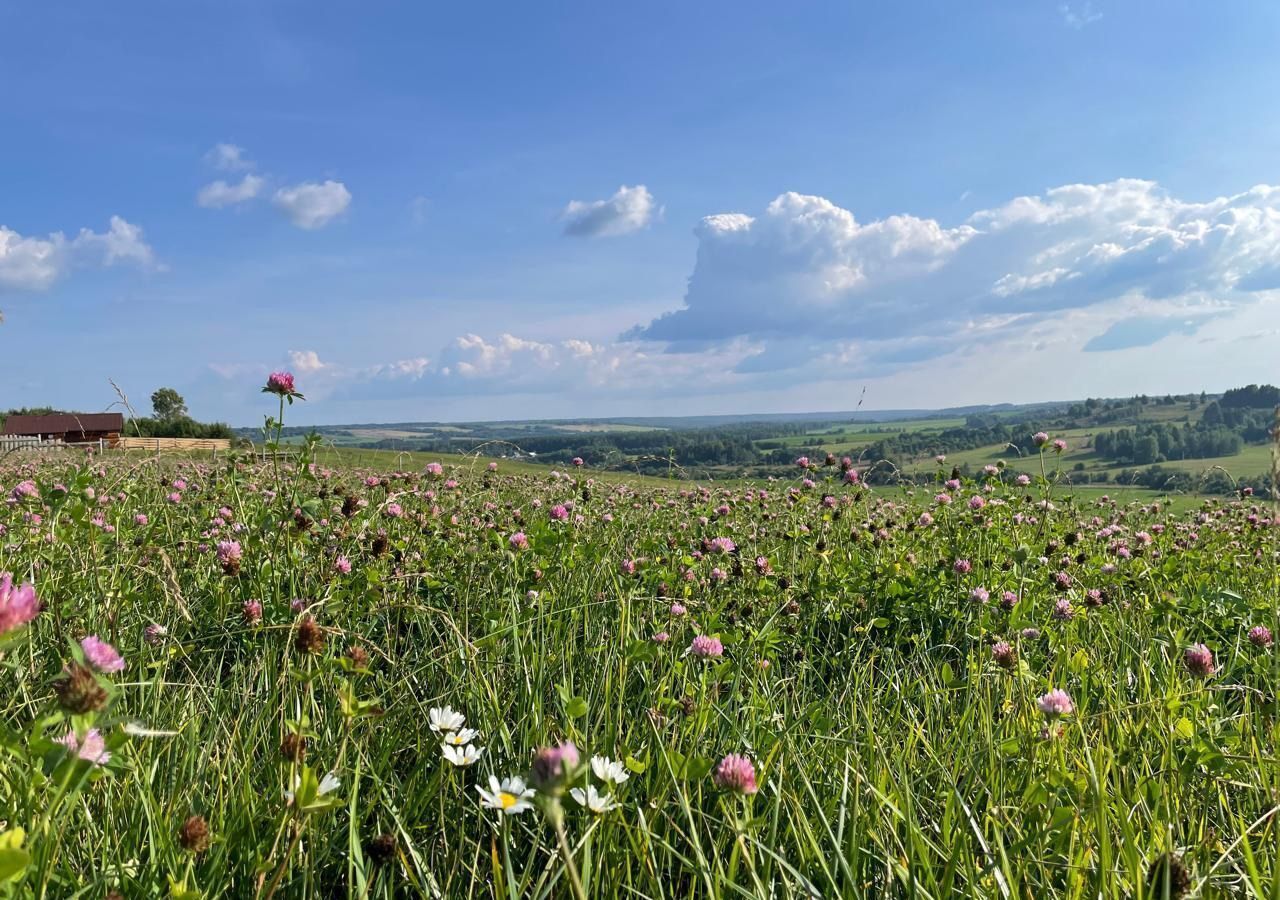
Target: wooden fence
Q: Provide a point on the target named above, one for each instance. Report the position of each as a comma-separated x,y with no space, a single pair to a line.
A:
20,442
157,445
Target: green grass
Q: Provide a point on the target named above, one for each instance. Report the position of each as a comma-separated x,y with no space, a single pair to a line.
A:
894,756
1252,460
841,438
462,464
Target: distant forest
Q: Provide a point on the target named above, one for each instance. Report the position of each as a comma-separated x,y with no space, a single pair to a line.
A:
1141,432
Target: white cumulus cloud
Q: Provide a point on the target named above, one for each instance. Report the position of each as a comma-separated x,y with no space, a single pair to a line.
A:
308,204
217,194
122,242
306,361
808,270
312,205
29,263
629,210
35,263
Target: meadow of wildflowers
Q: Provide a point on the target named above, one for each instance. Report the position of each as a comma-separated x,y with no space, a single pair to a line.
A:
239,678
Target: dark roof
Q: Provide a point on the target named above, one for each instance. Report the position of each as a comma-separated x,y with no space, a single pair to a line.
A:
64,423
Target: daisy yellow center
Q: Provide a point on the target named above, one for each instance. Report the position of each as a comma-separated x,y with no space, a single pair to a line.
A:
507,800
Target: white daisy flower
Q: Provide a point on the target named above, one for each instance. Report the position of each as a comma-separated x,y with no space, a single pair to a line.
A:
462,756
593,800
510,795
608,770
461,737
328,784
445,718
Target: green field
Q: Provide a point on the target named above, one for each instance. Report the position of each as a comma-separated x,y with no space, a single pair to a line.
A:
731,451
840,438
1252,460
853,440
322,678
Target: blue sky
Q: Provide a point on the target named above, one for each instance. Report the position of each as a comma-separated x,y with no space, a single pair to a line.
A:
460,211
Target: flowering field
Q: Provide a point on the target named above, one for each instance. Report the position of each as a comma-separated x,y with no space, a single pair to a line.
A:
242,679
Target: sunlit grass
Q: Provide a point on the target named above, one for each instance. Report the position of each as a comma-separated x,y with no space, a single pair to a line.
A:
894,756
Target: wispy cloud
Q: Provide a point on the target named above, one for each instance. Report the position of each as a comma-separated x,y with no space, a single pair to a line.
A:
218,194
1142,331
228,158
418,209
1079,16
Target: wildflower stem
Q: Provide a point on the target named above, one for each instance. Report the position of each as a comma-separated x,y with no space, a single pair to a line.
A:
284,863
556,813
275,454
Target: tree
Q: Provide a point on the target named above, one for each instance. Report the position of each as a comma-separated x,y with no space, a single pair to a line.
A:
1146,450
168,405
1265,396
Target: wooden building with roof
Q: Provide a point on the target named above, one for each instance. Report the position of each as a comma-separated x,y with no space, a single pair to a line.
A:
68,428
